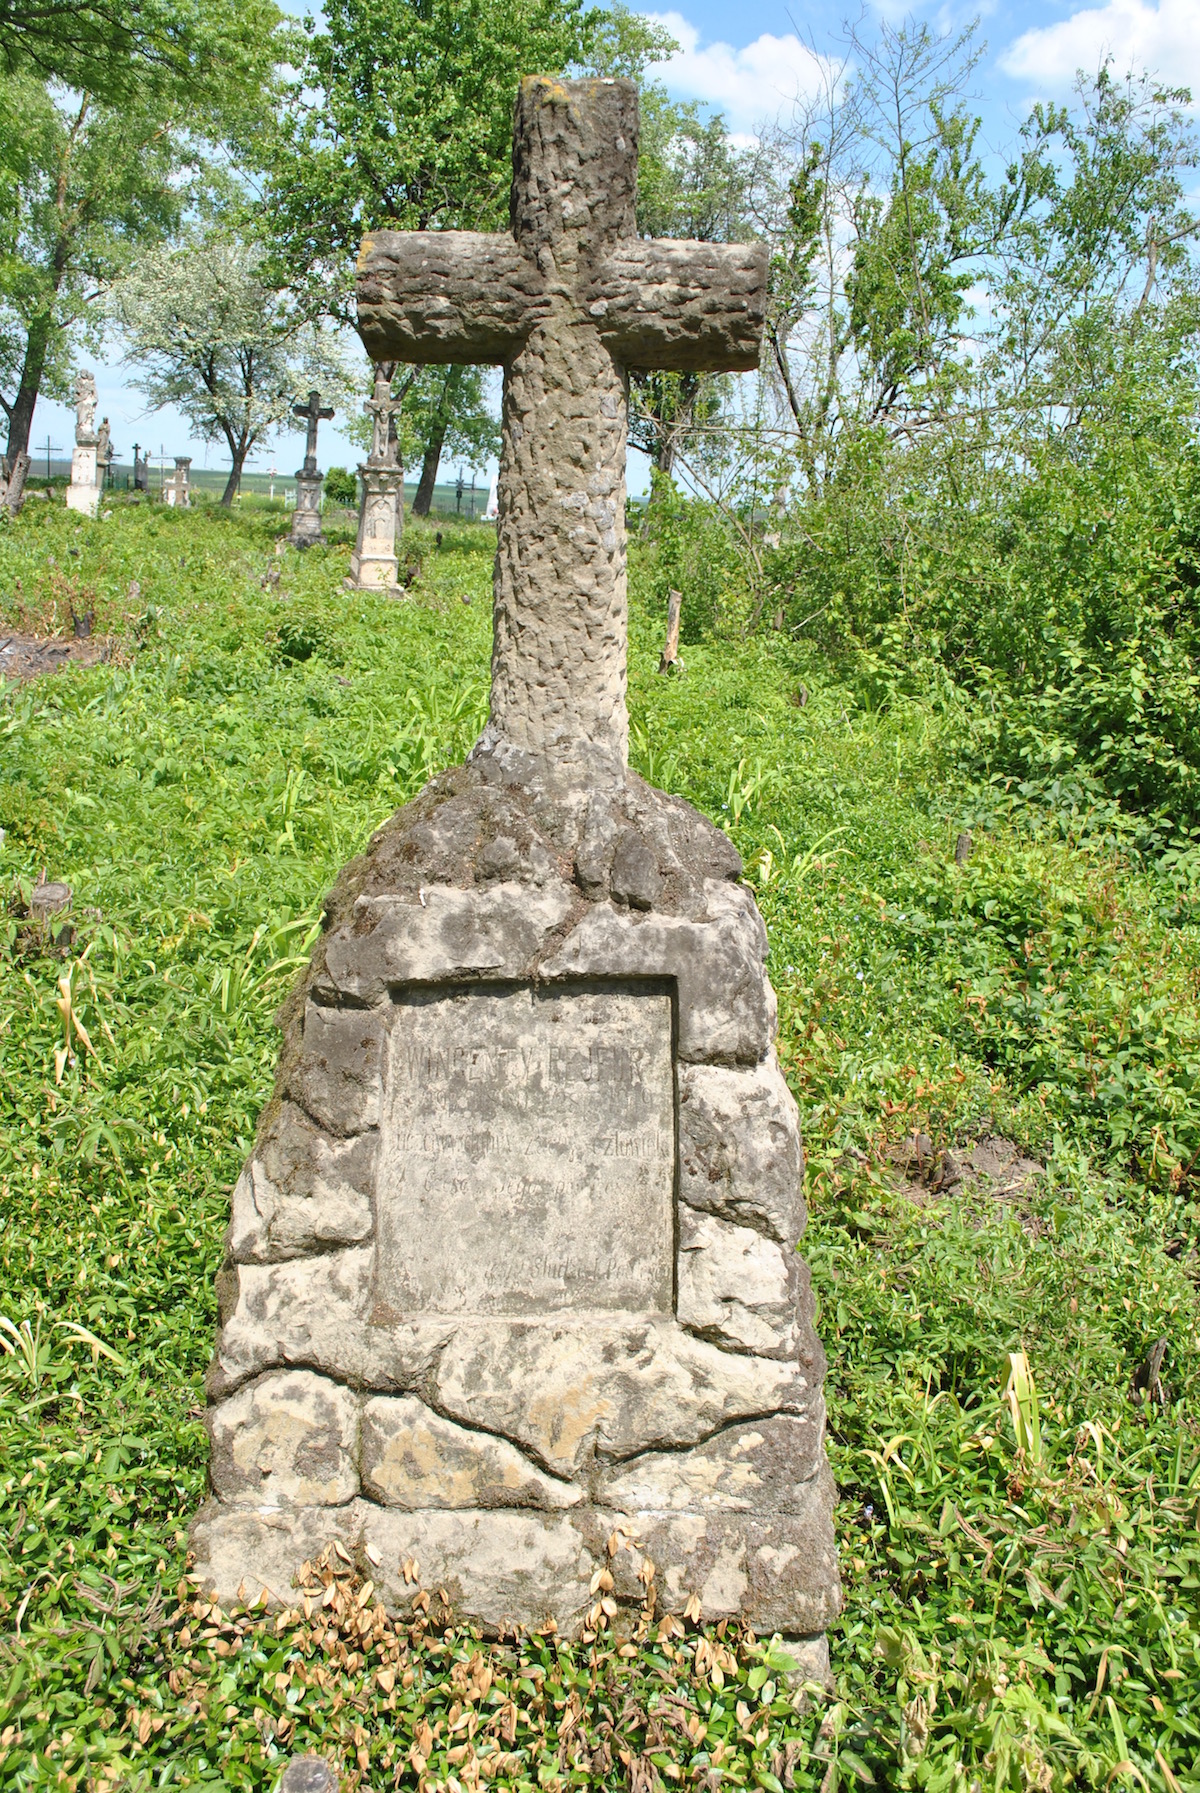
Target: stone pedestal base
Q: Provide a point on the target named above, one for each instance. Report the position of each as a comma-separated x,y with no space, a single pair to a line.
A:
511,1272
373,565
83,493
306,518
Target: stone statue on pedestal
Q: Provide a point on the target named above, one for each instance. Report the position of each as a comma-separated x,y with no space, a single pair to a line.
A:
83,493
373,564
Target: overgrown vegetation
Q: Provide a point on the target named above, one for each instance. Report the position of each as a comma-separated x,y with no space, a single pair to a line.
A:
1023,1599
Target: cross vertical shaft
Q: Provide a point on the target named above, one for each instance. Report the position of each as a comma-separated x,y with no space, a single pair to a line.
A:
558,654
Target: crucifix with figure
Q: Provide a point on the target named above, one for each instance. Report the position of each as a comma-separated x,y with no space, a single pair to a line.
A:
373,564
306,518
568,302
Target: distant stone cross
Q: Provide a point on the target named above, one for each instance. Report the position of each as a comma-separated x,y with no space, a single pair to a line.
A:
312,413
568,302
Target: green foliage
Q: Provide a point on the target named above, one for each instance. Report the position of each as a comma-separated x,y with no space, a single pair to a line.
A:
1012,1621
187,50
87,181
401,114
341,486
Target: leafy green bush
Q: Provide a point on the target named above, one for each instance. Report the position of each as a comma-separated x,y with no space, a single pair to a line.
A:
341,486
301,637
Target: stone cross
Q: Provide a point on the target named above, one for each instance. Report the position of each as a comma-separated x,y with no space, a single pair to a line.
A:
312,413
569,302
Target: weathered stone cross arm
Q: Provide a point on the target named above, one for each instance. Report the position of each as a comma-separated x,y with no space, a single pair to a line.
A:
460,295
569,302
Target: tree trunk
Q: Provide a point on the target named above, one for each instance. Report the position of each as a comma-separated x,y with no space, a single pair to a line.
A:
14,497
433,448
239,447
234,482
20,418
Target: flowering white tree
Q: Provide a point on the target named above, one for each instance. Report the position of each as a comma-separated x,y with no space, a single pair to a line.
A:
210,336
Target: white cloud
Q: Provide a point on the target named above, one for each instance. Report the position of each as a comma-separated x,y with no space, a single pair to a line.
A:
757,82
1162,39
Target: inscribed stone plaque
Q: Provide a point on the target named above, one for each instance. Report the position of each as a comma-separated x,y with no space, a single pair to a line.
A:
527,1158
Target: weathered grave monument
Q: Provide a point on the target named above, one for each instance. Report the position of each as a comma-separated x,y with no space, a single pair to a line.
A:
373,564
83,493
179,493
306,518
511,1272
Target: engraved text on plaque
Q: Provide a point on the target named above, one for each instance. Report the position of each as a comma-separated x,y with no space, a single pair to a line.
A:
527,1157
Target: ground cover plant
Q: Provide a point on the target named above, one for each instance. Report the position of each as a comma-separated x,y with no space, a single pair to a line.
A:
1020,1539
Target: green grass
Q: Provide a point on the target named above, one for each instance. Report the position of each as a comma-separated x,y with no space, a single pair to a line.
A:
1010,1621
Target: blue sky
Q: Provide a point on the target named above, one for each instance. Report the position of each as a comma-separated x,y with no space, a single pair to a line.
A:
752,61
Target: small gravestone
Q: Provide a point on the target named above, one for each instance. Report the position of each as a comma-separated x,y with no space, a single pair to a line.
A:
179,493
511,1303
373,564
306,518
83,493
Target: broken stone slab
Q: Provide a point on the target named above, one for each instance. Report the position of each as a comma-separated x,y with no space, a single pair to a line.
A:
594,1387
739,1147
447,933
736,1287
726,1012
413,1458
338,1074
289,1439
315,1313
771,1572
757,1467
302,1191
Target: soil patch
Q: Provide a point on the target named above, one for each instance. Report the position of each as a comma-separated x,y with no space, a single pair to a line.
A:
29,656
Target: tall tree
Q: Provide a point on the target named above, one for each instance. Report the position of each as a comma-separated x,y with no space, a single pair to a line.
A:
692,182
86,182
198,51
400,114
211,337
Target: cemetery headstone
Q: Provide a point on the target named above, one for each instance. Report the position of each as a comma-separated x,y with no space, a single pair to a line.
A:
179,493
83,493
306,518
104,451
373,564
511,1305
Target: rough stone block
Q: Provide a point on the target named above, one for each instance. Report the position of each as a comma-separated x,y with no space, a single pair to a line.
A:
737,1287
289,1439
413,1458
302,1191
500,1569
565,1392
316,1313
725,1007
261,1552
338,1076
760,1467
772,1573
445,933
739,1147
